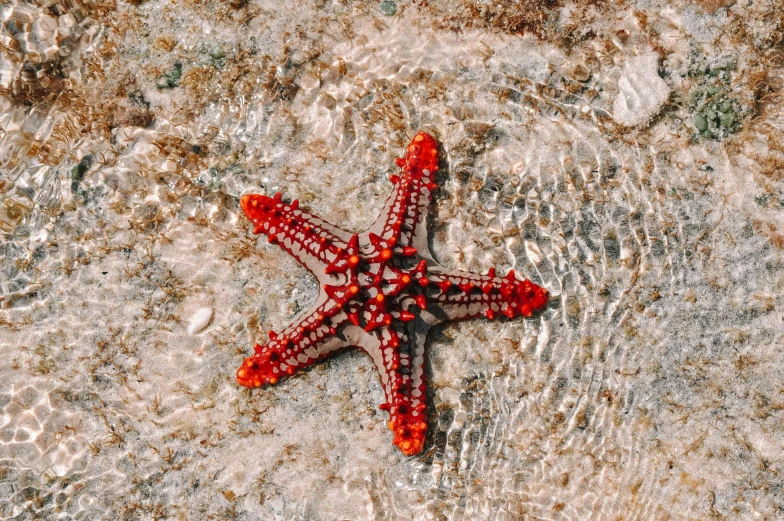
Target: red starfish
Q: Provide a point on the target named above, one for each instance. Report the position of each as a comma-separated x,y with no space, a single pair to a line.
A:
381,290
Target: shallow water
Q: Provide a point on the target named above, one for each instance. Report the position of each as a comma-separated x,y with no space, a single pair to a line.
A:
648,389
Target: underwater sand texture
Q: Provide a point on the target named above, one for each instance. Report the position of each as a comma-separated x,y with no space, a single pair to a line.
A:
627,157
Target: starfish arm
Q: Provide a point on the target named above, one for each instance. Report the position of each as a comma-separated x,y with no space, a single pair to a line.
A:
402,223
309,339
399,356
460,295
315,243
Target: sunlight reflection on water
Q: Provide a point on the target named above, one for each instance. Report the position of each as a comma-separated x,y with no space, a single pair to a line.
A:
109,246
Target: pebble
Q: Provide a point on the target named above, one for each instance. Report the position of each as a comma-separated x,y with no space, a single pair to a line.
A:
200,320
700,122
388,8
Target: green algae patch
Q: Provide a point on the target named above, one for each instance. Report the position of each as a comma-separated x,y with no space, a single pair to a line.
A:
170,80
715,112
388,8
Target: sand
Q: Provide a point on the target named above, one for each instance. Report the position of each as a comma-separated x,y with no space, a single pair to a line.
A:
625,156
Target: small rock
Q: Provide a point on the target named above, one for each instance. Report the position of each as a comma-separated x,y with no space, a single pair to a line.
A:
200,320
726,119
700,122
388,8
642,93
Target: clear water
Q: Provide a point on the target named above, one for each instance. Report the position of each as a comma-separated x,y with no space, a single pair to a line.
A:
648,389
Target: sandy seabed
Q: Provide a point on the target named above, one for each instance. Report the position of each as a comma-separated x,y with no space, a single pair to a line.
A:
627,156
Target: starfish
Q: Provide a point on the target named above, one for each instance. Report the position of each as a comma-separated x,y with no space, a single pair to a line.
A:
380,290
